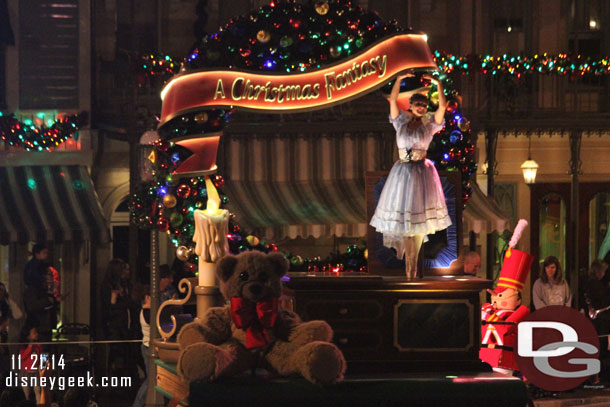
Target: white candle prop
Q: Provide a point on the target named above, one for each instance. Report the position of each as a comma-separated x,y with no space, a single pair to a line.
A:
211,228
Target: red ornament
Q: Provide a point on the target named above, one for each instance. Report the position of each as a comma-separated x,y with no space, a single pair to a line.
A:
236,228
452,105
219,181
163,224
183,191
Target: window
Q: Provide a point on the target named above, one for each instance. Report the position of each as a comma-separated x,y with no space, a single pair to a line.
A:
48,54
509,26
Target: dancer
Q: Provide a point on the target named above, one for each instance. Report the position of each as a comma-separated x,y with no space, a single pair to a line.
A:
412,203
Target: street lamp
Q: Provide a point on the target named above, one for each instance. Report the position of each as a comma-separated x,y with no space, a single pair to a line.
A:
529,166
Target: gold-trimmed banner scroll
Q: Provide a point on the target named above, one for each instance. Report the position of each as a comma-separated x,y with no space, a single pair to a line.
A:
284,93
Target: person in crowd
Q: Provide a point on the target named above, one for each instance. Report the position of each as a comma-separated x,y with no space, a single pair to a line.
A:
35,272
11,397
167,290
40,309
551,288
115,294
412,202
597,298
40,304
145,324
30,355
5,315
472,263
76,397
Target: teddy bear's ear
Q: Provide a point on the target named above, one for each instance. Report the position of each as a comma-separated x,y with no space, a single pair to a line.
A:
225,267
279,262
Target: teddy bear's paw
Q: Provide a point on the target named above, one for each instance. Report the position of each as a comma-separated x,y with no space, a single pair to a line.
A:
312,331
189,334
197,362
323,363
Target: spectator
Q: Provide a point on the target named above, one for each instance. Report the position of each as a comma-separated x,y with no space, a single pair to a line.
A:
472,263
36,269
40,310
76,397
167,290
551,288
30,359
11,397
145,324
116,303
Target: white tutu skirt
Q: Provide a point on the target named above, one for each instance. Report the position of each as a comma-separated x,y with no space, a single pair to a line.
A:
412,202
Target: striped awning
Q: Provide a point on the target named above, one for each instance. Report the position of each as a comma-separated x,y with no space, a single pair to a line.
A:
49,203
300,185
482,214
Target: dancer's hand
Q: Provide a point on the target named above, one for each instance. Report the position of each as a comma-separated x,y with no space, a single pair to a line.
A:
430,78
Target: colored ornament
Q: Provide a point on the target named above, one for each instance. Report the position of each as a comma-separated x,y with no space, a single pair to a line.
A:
296,261
183,191
169,201
219,181
455,136
452,105
252,240
183,253
263,36
176,219
285,41
162,224
353,250
464,124
322,7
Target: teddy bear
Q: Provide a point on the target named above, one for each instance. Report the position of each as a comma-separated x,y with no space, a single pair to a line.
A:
251,332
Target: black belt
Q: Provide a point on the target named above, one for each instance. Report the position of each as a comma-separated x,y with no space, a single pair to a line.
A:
503,347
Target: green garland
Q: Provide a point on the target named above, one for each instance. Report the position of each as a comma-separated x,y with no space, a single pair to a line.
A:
32,138
514,66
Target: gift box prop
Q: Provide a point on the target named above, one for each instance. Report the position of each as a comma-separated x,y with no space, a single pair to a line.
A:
499,318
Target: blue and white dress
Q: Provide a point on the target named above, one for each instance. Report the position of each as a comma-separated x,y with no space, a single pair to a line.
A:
412,201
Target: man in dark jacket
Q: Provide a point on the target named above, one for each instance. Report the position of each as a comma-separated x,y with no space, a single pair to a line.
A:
40,307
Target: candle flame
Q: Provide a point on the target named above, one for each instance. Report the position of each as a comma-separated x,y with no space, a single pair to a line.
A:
213,197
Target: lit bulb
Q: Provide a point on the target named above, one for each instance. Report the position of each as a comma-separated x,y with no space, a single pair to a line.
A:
509,28
592,24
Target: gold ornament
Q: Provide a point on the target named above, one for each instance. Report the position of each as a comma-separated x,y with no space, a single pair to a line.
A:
434,98
322,7
252,240
183,253
169,201
464,124
263,36
366,254
201,117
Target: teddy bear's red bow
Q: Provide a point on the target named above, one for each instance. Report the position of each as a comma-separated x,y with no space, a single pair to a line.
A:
255,318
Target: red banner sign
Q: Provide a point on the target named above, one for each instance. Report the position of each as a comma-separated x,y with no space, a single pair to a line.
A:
282,93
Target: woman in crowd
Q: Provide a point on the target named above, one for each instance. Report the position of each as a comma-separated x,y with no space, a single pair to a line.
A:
551,288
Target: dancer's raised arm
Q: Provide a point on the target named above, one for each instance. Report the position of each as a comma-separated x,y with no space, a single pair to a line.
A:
439,115
394,109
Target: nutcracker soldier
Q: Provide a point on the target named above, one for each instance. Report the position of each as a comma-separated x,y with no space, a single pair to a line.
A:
499,318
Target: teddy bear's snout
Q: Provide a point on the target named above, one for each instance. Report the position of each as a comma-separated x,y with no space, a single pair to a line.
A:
254,291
